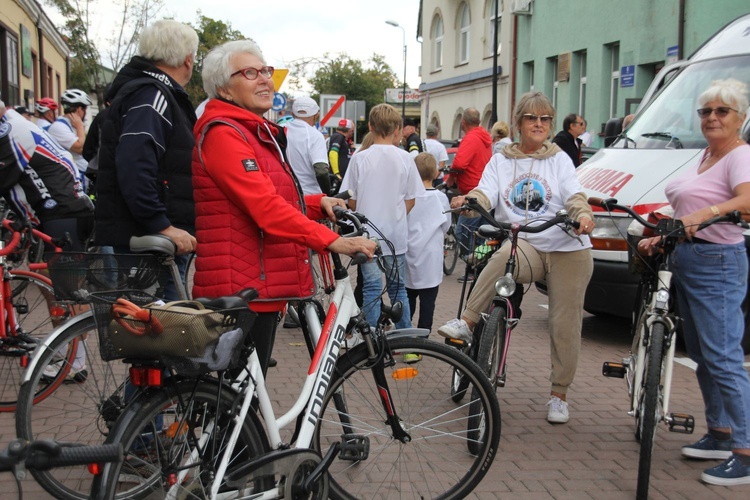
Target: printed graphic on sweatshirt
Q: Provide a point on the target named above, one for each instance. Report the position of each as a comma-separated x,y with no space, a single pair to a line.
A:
528,195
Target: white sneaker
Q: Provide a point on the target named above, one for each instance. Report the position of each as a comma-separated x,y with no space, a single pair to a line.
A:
558,411
456,329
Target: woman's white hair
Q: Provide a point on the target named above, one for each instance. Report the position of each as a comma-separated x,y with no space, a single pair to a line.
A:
168,42
217,65
731,92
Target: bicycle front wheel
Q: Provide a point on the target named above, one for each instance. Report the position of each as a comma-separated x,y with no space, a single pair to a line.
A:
648,411
450,251
87,396
434,462
28,321
174,439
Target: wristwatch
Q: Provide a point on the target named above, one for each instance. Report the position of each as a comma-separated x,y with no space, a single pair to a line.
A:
714,210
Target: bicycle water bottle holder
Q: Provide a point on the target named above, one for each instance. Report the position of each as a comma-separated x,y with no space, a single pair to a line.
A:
354,447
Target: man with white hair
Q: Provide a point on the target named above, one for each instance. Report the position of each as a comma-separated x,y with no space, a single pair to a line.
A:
306,148
144,183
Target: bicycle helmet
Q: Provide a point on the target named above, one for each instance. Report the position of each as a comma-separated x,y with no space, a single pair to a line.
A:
45,104
72,97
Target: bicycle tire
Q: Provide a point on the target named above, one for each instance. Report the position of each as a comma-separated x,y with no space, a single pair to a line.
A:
161,428
73,412
31,297
433,463
450,251
488,359
649,406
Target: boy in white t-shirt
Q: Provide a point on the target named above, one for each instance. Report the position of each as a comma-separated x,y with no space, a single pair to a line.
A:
384,181
428,224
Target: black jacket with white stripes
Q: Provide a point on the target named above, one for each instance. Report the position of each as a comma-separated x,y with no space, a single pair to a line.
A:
144,182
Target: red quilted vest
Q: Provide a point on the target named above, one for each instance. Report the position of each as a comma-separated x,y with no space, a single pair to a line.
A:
248,234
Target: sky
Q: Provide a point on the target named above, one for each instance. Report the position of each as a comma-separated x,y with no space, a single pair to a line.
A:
287,30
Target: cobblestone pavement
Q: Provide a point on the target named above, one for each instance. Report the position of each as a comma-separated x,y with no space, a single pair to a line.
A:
594,456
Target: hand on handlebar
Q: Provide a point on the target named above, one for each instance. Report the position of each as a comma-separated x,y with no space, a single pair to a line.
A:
350,246
586,226
458,201
327,203
184,241
648,246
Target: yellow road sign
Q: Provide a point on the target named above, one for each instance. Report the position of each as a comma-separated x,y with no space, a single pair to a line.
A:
278,77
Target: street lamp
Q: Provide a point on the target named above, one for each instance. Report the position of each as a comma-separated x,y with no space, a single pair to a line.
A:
403,96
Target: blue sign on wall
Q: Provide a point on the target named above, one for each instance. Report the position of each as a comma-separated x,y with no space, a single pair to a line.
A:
627,76
279,102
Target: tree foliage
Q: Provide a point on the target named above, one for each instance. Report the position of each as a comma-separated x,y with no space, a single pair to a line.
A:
86,60
357,80
210,34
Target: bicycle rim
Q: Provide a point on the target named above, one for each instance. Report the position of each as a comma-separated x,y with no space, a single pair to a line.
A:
31,298
76,411
435,462
650,407
450,252
164,455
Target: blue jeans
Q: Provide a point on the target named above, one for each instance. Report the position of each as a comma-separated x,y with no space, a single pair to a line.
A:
372,287
711,282
465,228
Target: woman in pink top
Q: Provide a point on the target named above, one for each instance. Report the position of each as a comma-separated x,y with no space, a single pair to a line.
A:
710,270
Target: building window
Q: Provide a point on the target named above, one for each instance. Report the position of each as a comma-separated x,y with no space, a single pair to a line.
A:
552,91
529,75
614,54
437,43
491,31
582,83
9,68
463,33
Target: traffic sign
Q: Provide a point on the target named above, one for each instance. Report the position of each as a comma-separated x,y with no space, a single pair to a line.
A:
278,77
279,101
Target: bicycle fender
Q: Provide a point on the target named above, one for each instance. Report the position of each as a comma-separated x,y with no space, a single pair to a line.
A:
57,332
400,333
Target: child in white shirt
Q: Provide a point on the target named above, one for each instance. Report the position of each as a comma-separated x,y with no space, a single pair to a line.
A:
384,182
428,224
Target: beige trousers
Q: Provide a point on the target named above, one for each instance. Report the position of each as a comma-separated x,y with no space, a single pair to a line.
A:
567,275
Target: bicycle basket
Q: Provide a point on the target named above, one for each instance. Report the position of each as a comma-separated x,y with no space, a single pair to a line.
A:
150,330
638,263
76,274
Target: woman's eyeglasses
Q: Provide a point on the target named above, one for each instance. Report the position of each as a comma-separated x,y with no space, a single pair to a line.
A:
546,119
721,111
252,73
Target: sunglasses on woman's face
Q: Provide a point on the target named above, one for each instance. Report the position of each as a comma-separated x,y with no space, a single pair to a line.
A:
546,119
721,111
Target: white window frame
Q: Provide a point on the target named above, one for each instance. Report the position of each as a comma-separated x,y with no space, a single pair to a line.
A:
615,78
555,62
437,42
491,30
464,20
582,84
531,75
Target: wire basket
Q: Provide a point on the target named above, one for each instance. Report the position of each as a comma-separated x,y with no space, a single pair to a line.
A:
188,343
75,275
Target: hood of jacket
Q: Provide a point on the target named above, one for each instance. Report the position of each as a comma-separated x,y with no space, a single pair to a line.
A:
138,67
219,108
481,135
546,151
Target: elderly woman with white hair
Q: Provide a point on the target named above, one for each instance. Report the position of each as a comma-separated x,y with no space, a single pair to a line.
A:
710,269
253,224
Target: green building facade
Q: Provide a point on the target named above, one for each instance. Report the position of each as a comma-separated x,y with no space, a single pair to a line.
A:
597,57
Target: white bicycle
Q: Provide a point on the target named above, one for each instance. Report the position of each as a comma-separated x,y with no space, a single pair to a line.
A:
368,421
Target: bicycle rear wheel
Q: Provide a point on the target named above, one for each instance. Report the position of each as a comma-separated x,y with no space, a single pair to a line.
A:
81,407
648,410
30,298
434,463
174,438
450,251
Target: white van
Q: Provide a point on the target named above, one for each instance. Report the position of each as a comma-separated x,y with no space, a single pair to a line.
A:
664,138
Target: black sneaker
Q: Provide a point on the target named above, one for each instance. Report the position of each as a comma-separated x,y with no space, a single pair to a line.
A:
708,448
468,279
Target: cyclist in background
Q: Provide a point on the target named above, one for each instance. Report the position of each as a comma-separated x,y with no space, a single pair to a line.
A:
68,129
46,108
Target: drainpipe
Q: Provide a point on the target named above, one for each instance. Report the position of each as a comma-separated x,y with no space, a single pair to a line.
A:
681,29
42,72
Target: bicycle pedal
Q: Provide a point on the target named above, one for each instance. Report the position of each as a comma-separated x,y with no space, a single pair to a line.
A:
354,447
615,370
457,343
681,422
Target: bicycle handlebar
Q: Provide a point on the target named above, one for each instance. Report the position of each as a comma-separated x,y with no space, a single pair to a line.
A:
560,218
17,228
357,220
665,227
44,455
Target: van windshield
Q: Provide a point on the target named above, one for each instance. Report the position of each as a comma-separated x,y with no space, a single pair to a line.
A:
671,121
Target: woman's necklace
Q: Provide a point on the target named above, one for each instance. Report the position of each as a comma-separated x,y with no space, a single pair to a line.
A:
710,159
